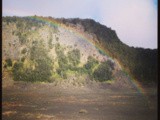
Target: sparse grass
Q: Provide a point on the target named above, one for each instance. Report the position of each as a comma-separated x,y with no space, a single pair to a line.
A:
83,111
9,113
109,81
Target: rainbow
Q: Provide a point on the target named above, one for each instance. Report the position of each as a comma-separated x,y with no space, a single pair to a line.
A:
54,23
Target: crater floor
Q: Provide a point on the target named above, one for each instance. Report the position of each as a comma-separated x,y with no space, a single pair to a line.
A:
45,101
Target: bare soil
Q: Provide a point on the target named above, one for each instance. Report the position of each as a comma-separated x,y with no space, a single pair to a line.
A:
45,101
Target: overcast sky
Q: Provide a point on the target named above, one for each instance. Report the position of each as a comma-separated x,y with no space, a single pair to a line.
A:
135,21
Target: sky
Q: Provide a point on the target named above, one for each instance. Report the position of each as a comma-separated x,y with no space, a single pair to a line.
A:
135,21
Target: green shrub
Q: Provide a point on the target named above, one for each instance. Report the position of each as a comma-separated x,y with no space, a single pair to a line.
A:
62,73
43,66
23,59
62,59
103,72
74,57
91,63
17,71
67,62
8,62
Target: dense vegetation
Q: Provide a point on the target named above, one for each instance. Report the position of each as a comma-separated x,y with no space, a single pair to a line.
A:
91,65
103,72
37,68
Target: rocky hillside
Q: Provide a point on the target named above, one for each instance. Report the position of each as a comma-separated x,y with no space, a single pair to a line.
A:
139,62
48,49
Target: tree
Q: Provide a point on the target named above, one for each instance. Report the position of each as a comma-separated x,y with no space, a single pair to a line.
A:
103,72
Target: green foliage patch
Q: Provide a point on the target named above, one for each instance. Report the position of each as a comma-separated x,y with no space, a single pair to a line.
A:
67,62
91,63
8,62
43,66
103,72
74,57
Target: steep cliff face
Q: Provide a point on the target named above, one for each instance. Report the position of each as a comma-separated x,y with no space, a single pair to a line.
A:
140,63
45,49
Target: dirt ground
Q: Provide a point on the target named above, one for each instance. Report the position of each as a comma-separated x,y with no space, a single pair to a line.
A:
45,101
